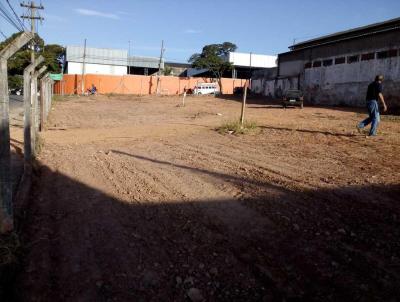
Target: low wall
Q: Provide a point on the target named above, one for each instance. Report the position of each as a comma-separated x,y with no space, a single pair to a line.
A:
346,84
336,84
274,88
136,84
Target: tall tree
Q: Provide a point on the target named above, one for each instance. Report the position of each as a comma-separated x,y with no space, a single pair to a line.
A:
214,57
22,58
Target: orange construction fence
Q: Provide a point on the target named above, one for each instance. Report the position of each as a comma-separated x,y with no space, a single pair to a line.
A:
137,84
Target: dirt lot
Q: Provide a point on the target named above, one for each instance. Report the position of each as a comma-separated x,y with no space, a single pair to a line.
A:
137,199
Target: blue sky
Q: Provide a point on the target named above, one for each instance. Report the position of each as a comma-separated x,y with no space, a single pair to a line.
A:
258,26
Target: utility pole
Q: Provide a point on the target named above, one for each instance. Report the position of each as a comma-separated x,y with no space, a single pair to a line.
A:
129,55
159,67
83,69
251,69
161,57
32,7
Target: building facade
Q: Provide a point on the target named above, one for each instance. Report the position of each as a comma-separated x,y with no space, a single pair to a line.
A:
97,60
105,61
336,69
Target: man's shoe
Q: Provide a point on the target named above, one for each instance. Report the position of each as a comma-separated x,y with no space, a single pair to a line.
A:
359,129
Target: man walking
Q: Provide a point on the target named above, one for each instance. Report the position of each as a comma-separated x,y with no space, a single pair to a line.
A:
374,93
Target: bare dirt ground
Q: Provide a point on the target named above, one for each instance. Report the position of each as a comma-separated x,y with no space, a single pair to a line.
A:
136,199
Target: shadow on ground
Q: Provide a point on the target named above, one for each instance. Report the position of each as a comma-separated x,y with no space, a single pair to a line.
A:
267,102
310,131
339,244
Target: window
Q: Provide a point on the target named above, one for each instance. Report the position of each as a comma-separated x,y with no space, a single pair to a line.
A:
327,62
367,56
307,65
353,59
340,60
317,64
387,54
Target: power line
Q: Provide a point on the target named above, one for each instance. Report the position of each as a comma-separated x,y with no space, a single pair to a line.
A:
5,37
9,18
16,16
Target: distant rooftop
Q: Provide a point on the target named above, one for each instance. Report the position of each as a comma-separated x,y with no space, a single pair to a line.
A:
144,62
110,56
388,25
94,55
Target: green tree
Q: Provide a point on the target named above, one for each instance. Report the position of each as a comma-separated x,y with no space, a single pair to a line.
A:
167,70
20,60
214,57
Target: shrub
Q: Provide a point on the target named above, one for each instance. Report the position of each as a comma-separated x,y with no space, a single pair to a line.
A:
235,127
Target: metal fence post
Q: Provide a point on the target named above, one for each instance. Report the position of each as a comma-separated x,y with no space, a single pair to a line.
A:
29,94
6,207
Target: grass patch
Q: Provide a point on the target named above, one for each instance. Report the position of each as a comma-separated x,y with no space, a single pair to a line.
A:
392,118
39,144
235,127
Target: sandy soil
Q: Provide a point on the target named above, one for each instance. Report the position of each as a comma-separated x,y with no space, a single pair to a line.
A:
138,199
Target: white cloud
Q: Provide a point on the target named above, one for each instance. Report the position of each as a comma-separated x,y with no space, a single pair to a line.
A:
94,13
54,17
120,12
192,31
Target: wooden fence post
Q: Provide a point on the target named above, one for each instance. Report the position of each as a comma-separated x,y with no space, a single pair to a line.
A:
243,104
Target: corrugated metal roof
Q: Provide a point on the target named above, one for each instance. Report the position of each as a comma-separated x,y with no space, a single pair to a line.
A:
144,62
104,56
351,33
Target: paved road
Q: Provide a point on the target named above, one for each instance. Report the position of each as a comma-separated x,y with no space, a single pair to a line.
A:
16,103
16,123
16,110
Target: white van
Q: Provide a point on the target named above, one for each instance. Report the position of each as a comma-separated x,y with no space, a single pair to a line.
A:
206,88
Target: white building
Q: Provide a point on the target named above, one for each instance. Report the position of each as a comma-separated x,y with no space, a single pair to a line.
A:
97,60
240,59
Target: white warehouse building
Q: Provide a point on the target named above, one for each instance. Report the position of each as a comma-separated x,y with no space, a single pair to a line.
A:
97,60
240,59
244,64
108,61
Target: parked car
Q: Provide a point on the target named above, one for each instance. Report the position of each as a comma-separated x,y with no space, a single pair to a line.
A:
240,90
16,91
206,88
293,98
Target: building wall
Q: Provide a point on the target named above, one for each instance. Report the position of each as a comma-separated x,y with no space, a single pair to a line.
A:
274,88
105,56
90,68
346,84
340,84
139,85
